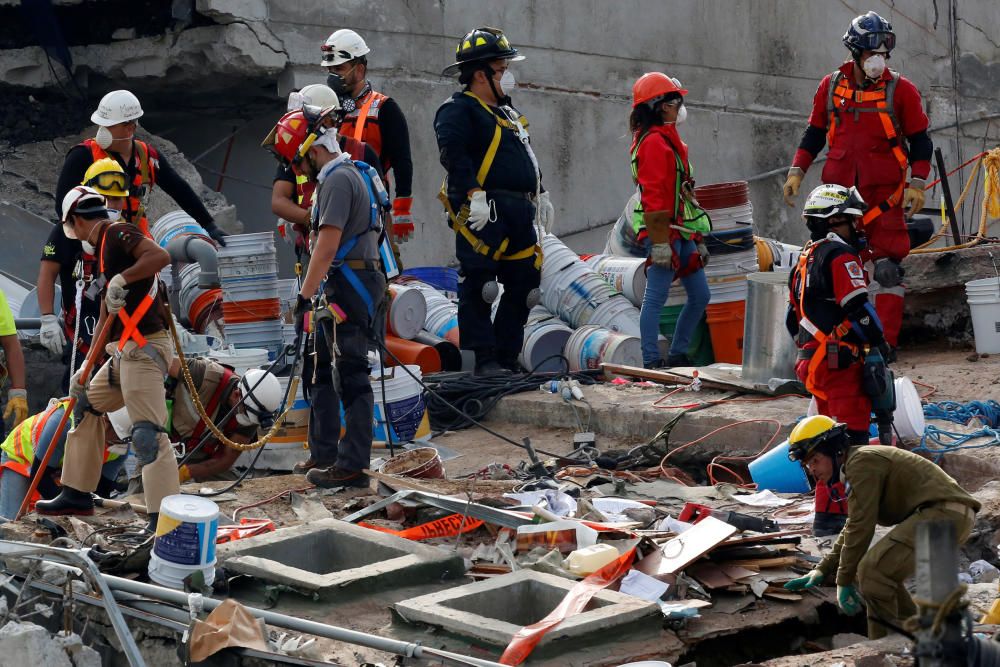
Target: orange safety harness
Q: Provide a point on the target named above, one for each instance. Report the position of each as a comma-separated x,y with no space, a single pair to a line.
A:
882,95
129,322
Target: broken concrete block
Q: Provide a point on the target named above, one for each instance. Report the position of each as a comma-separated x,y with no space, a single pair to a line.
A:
495,609
82,656
334,559
30,644
983,572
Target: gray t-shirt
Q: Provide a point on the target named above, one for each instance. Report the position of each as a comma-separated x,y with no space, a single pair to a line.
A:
342,202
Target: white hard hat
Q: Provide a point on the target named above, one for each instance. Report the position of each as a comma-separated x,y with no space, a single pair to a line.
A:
342,46
314,95
831,199
82,199
262,400
118,106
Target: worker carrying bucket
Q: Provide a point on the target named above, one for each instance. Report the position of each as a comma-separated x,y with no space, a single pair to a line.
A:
888,487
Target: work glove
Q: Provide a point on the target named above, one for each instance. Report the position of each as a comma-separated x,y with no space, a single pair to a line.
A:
792,183
402,219
303,308
849,599
546,212
286,230
913,197
703,253
114,299
662,255
217,234
76,390
51,334
811,580
479,210
17,408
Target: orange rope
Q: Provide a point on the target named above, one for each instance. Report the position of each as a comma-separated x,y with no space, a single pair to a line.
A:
713,464
933,389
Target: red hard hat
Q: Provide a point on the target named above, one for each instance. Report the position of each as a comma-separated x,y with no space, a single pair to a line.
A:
652,85
288,135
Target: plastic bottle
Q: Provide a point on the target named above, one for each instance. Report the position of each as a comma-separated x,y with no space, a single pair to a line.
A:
590,559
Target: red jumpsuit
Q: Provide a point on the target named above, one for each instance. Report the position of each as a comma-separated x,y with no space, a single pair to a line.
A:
860,154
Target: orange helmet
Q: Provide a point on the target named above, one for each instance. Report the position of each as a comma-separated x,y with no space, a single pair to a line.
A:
296,131
652,85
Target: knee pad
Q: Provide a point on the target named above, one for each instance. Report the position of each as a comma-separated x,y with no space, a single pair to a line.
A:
146,441
888,272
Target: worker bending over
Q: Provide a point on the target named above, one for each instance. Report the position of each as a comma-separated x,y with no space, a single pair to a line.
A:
12,367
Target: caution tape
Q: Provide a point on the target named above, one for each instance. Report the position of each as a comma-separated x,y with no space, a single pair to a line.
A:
449,526
247,528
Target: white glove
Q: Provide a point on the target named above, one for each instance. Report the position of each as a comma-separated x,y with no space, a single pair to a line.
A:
115,297
479,210
76,390
546,211
51,334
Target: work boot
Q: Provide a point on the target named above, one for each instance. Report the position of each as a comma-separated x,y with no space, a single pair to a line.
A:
302,467
654,365
678,360
69,502
333,477
487,364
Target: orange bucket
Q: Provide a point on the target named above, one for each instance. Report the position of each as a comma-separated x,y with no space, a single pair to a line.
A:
202,308
252,310
412,352
725,325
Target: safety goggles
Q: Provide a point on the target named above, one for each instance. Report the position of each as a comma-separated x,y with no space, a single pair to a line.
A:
109,180
872,41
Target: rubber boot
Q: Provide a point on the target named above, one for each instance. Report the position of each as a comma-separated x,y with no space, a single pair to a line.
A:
106,487
154,517
69,502
47,486
486,363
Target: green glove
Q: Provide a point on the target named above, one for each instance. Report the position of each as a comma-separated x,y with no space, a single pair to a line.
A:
811,580
849,599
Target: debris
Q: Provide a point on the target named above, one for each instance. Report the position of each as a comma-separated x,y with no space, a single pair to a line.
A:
26,644
308,508
765,498
983,572
228,625
643,586
681,551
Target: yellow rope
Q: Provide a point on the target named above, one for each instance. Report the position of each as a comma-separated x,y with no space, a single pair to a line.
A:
196,399
942,611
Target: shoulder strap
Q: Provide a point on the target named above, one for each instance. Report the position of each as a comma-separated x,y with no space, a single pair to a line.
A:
834,82
359,128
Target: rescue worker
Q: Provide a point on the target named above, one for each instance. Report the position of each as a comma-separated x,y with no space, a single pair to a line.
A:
666,221
291,194
128,264
21,455
346,225
888,487
834,326
490,193
116,118
220,390
73,263
374,118
16,410
873,120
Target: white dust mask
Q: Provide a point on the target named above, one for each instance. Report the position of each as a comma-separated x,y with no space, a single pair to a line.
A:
103,137
114,215
507,82
682,115
88,247
874,66
68,231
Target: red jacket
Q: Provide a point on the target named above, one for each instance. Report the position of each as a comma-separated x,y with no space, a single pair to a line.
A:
861,154
656,168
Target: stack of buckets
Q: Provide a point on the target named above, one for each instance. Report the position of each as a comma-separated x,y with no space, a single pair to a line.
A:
185,541
248,271
200,306
733,256
545,338
441,317
984,303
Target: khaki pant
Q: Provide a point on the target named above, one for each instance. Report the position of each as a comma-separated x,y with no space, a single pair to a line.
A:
133,380
892,560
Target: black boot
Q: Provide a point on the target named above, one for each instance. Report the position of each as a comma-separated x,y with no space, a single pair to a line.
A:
47,486
154,517
681,360
68,502
486,363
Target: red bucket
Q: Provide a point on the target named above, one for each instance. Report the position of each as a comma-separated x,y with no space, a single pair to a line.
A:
204,306
723,195
252,310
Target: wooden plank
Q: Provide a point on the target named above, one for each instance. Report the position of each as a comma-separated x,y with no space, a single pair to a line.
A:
678,553
764,563
663,376
788,536
709,575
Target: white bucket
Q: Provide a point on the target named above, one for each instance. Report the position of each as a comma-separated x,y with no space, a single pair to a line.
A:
441,319
407,311
266,334
238,245
728,292
909,415
248,266
172,575
542,341
588,347
249,291
983,296
174,224
241,360
617,314
406,408
624,274
186,531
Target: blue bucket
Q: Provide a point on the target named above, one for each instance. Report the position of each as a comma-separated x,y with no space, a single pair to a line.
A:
442,277
776,472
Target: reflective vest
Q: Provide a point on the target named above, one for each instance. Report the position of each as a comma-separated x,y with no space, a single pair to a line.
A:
362,125
844,99
217,384
20,443
130,321
804,277
142,182
458,221
694,222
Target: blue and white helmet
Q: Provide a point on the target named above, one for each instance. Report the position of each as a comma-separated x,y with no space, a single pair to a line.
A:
869,32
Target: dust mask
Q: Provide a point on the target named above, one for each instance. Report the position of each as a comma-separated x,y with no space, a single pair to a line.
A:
103,137
874,66
507,82
682,115
68,231
244,419
88,247
114,215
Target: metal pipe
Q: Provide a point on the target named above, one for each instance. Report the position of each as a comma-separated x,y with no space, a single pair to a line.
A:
394,646
946,192
190,248
28,323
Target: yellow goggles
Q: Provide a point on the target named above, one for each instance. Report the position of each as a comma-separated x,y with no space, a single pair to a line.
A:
109,183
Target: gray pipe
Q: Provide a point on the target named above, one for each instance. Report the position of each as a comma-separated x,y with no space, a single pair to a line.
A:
189,248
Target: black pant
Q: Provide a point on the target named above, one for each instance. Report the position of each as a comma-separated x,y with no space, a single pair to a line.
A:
505,334
353,339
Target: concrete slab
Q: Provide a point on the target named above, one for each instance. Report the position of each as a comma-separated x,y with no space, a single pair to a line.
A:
494,610
336,559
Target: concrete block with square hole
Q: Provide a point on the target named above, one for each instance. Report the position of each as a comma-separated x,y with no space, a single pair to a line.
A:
336,559
493,610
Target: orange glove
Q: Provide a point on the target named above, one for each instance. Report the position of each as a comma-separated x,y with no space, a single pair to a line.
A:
183,474
402,225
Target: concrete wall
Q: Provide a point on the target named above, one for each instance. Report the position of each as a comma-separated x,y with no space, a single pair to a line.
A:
751,69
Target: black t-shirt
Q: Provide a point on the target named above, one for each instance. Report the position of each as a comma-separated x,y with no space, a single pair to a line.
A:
67,253
117,242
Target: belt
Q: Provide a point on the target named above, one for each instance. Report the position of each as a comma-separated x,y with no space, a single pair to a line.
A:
950,506
530,196
364,264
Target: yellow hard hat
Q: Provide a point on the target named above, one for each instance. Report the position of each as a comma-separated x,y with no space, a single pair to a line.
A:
107,177
810,433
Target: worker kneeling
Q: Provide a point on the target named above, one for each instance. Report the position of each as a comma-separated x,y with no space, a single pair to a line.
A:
886,486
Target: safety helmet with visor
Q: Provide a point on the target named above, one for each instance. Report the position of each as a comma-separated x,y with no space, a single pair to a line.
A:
818,433
261,394
83,201
653,87
296,132
342,46
869,32
315,96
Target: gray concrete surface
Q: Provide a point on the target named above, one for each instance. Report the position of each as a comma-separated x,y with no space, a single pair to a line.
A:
335,559
495,609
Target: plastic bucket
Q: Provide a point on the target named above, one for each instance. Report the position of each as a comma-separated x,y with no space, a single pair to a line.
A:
725,324
407,311
171,575
412,352
451,356
909,414
245,266
728,292
241,360
765,255
444,324
421,463
251,290
267,334
174,224
727,242
440,277
186,530
238,245
404,405
617,314
624,274
238,312
774,471
983,296
542,342
204,309
590,346
700,349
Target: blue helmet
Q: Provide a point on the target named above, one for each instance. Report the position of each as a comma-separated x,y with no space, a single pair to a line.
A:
869,32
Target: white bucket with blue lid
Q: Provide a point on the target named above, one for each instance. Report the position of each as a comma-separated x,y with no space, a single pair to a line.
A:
186,531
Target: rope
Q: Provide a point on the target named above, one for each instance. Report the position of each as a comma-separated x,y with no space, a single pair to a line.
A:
987,412
196,399
942,610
